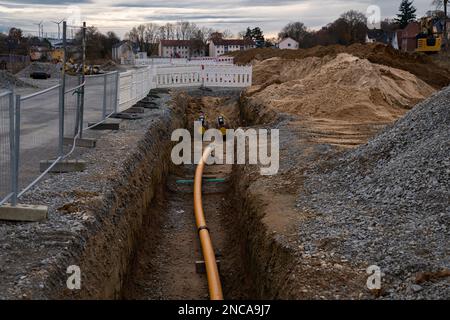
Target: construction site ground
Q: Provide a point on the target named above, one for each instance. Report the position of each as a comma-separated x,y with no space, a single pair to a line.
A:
363,181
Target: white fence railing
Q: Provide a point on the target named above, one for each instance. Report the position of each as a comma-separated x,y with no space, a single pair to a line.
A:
134,85
183,61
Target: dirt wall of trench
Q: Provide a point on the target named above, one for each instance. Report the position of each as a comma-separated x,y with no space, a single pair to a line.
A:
109,249
265,222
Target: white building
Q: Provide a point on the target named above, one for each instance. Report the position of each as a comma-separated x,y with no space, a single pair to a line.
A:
288,43
123,52
219,46
181,49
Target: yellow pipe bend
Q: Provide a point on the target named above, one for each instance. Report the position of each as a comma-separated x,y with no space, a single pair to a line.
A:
212,272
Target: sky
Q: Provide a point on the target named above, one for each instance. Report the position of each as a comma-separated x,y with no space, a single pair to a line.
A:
235,15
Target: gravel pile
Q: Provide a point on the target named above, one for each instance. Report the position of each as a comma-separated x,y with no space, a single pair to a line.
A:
387,203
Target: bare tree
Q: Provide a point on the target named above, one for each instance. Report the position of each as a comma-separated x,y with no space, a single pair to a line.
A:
294,30
182,30
357,23
227,34
151,33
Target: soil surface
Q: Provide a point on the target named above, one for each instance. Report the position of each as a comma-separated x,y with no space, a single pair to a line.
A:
433,71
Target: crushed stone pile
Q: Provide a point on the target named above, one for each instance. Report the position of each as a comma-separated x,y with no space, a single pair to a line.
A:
387,203
344,87
424,67
9,81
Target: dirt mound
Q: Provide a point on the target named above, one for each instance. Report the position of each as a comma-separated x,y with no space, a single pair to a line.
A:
387,203
8,81
344,87
422,66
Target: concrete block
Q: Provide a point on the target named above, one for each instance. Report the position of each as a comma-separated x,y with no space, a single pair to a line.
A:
107,125
127,116
82,143
63,166
135,110
22,212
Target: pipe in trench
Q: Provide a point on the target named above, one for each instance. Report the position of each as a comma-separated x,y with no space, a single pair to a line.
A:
212,272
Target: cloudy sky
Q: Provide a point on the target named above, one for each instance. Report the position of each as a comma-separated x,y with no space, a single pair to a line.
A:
235,15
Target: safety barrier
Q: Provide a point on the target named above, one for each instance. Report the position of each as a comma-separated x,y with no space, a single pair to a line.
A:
182,61
36,125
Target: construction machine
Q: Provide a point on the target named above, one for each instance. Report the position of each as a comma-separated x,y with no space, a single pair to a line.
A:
221,125
204,123
429,40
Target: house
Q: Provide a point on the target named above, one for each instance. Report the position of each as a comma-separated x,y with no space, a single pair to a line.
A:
124,52
288,43
381,36
219,46
181,49
408,37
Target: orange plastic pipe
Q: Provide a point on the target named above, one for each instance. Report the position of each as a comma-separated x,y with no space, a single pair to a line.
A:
212,272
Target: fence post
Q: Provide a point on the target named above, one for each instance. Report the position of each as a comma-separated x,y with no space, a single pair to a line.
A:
62,91
105,78
83,65
117,96
16,149
12,148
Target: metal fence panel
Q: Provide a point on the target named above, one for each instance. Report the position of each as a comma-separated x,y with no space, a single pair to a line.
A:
93,99
38,118
6,129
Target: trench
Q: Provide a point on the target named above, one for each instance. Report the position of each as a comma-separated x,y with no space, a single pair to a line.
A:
163,264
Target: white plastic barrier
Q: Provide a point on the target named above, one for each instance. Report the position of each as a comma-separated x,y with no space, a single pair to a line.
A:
178,76
227,76
159,61
182,61
206,75
134,85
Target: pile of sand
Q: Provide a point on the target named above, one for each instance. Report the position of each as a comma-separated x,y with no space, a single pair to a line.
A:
424,67
344,87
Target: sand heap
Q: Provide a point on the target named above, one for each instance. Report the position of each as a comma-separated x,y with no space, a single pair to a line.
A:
344,87
427,68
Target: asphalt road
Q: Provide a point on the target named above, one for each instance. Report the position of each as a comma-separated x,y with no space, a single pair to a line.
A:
40,125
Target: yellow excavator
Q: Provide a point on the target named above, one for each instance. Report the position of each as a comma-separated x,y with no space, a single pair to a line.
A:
428,41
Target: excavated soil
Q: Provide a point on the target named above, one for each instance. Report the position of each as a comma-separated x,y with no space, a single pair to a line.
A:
428,69
344,88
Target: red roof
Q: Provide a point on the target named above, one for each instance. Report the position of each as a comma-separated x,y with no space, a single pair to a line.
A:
233,42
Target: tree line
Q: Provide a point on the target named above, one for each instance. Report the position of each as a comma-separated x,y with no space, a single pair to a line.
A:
351,26
148,35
